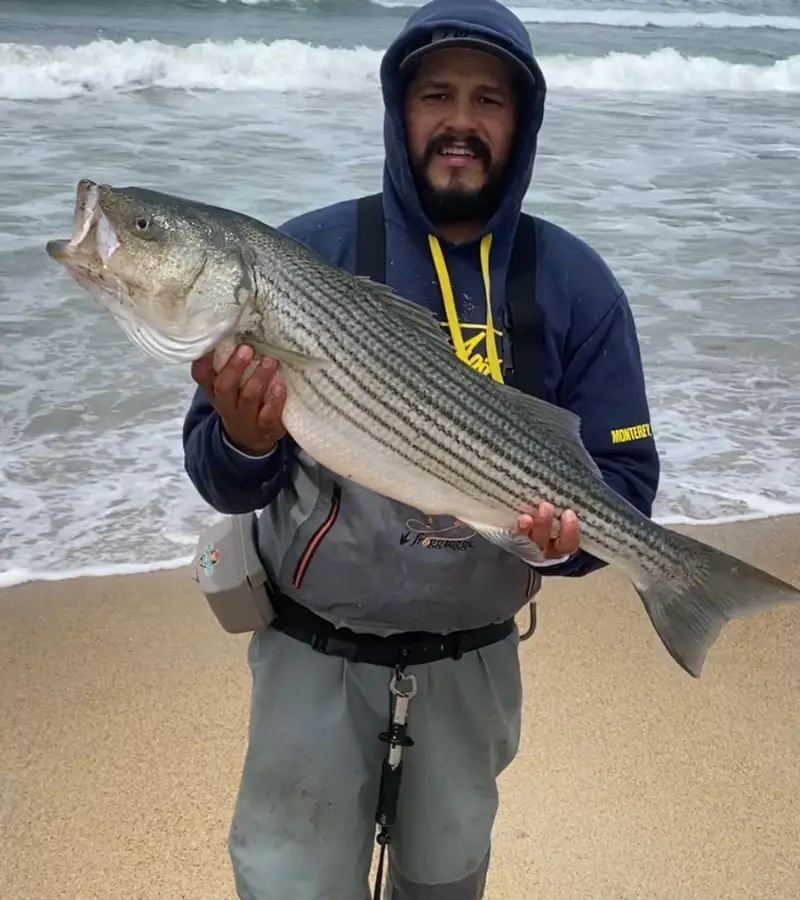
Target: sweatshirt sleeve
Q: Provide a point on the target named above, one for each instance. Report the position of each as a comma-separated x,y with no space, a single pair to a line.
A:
230,481
603,383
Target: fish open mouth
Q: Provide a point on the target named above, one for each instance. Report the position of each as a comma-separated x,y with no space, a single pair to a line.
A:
85,256
85,253
83,248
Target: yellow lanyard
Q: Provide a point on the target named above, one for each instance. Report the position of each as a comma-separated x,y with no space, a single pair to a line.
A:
450,306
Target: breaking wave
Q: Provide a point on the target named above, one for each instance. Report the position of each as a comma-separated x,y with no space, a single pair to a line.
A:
31,72
637,18
612,18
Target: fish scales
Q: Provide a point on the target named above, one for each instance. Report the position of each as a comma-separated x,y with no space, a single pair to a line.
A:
358,327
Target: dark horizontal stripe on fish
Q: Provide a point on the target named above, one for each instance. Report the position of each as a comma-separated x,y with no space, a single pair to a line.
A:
560,465
335,399
392,430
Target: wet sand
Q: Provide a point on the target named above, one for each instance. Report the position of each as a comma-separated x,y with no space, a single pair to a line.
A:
123,716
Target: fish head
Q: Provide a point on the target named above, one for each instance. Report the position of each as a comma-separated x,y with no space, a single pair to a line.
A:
176,279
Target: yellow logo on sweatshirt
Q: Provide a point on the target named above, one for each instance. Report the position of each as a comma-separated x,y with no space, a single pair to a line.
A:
634,433
475,347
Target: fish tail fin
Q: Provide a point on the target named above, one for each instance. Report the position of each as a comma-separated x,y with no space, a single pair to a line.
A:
691,604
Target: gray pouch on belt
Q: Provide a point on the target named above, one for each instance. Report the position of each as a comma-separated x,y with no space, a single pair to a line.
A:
228,569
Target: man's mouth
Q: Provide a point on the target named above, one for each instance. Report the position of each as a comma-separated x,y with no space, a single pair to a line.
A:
458,151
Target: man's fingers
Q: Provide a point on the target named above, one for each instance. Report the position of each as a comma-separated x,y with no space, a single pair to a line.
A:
252,394
525,523
203,372
269,417
226,384
541,530
569,537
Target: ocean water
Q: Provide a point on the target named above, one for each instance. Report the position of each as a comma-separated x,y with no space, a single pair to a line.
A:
671,143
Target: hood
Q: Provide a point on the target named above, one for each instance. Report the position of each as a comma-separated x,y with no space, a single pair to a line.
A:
481,17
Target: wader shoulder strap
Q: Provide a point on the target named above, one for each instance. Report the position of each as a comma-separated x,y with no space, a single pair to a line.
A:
523,323
522,318
370,238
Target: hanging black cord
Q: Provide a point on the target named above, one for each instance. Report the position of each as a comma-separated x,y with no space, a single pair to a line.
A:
402,688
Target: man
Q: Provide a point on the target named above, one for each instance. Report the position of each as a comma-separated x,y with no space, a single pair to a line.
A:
464,102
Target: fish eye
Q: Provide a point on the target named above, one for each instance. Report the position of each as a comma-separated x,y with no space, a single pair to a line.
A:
141,223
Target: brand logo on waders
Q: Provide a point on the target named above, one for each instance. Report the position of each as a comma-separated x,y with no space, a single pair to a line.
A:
438,533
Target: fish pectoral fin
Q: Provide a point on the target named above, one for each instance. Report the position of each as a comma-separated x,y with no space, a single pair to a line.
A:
290,357
511,541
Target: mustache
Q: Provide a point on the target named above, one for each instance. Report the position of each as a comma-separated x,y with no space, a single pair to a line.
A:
474,144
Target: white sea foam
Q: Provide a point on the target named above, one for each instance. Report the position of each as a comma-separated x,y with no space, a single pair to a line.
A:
30,72
624,18
644,18
609,17
34,72
15,576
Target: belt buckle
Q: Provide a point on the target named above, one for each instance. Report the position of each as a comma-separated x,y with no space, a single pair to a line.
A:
333,646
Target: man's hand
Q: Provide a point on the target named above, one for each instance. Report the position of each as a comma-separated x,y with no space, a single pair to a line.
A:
539,529
250,415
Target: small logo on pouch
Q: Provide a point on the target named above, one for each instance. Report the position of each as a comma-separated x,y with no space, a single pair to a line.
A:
209,558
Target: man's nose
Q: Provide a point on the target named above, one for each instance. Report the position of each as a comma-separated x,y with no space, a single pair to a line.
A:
461,116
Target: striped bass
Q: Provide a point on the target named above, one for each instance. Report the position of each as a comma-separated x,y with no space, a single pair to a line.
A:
375,393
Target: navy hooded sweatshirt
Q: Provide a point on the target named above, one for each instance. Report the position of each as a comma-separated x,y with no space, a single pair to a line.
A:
590,355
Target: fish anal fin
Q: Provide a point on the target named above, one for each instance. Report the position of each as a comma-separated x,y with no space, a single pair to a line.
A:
513,542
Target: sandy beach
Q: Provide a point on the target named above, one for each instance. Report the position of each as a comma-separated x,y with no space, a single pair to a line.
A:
124,714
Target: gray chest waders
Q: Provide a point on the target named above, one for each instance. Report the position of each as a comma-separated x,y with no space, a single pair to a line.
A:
395,653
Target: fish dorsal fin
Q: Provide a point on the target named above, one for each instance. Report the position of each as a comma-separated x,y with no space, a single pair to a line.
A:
563,423
534,412
409,312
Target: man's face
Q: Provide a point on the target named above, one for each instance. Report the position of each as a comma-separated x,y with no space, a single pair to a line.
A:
460,114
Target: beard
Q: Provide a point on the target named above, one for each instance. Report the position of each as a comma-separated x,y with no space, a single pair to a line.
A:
458,203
